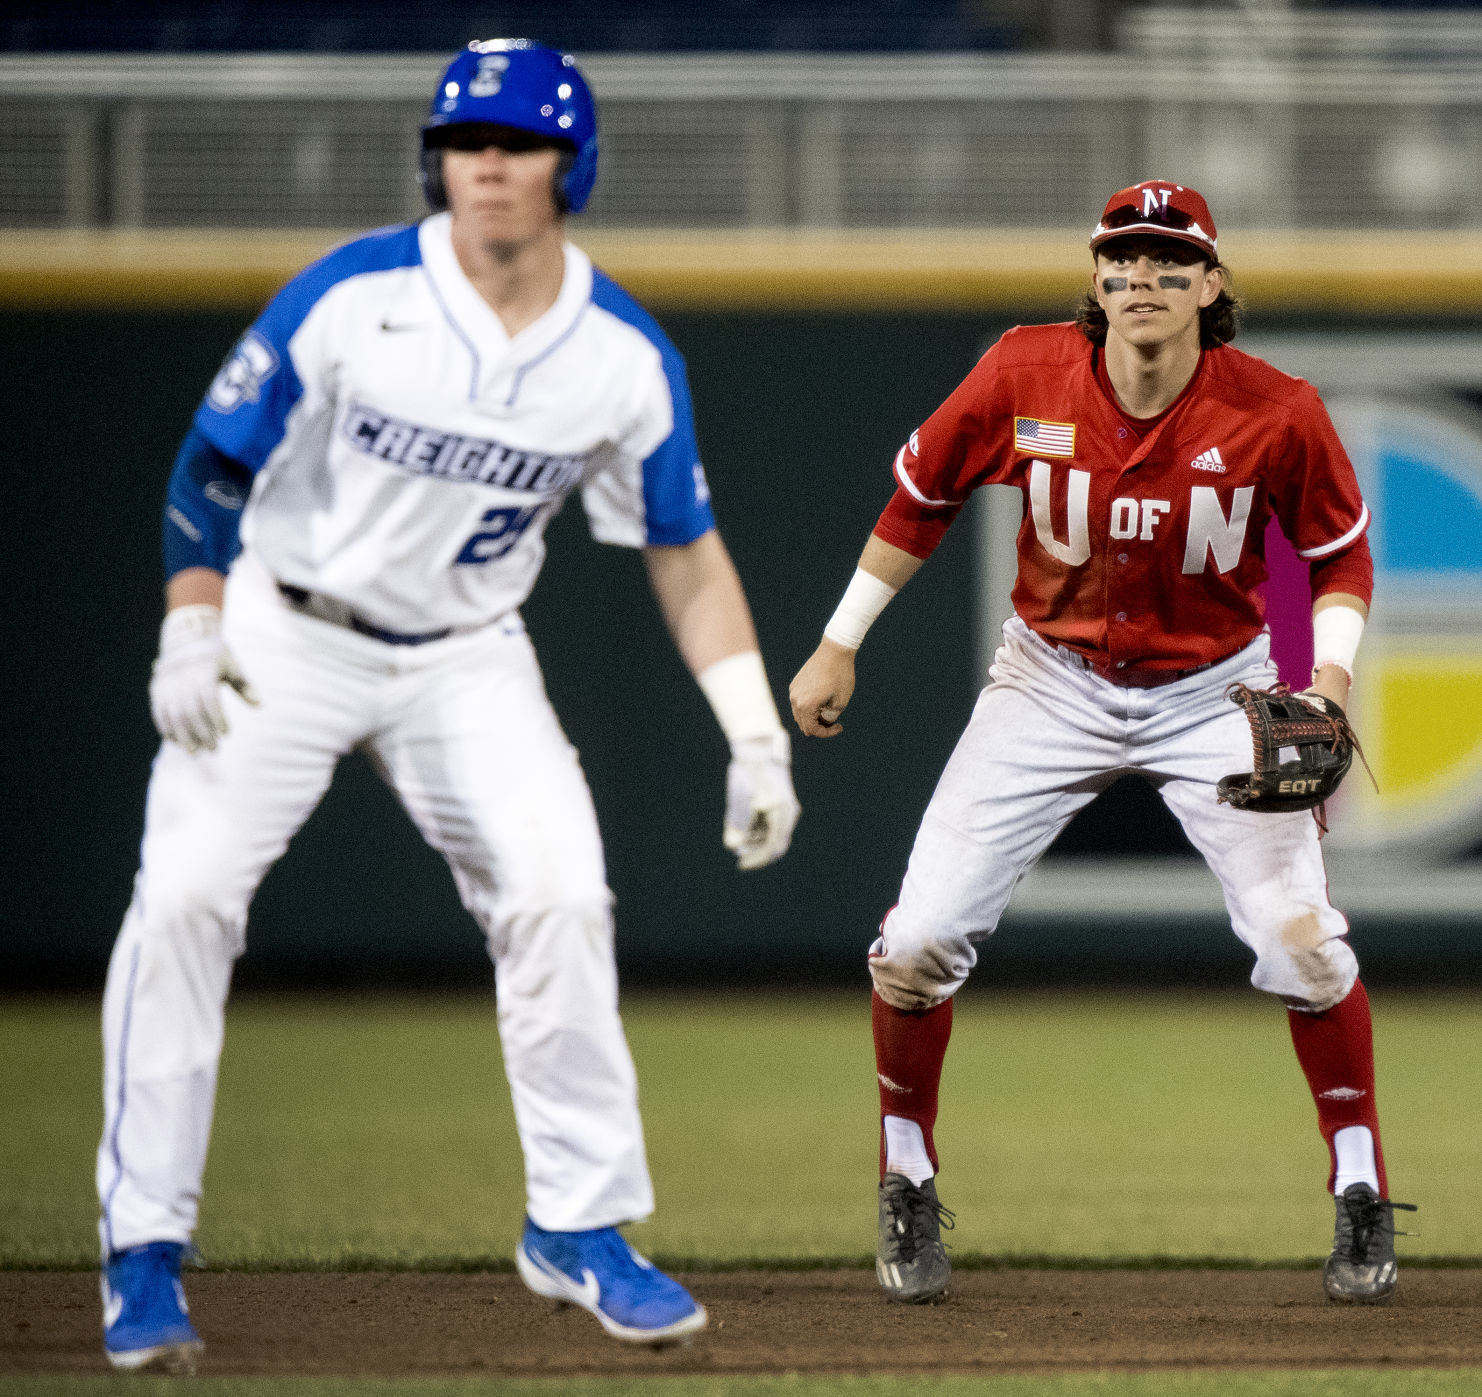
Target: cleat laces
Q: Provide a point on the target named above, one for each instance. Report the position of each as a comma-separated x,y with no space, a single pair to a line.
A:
1369,1219
911,1211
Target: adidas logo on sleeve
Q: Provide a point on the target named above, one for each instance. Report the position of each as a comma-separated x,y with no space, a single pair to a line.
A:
1208,461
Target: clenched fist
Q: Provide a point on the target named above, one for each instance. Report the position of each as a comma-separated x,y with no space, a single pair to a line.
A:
822,690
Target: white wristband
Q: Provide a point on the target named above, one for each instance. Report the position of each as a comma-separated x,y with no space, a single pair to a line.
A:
1336,632
864,599
737,690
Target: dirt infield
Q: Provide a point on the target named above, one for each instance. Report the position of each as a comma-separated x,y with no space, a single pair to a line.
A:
398,1324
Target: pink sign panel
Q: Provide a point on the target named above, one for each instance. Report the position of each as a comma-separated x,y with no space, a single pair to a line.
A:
1288,597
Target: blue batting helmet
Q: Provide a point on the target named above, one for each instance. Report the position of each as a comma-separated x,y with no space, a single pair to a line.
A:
523,84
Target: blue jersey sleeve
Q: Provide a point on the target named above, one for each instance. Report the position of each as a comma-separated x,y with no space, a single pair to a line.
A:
245,411
203,507
676,498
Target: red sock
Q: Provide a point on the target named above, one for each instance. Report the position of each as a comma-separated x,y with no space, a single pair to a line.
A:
910,1046
1336,1050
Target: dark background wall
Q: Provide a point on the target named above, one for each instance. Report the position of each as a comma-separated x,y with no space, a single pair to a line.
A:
798,423
586,25
799,419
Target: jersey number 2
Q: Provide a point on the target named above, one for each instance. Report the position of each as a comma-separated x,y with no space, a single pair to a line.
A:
506,527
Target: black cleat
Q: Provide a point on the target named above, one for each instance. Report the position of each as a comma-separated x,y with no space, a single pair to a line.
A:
1362,1269
910,1259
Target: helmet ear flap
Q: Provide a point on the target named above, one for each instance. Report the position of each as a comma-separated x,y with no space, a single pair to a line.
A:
564,164
430,177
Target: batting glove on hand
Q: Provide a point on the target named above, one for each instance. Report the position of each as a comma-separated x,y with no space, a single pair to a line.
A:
184,691
761,808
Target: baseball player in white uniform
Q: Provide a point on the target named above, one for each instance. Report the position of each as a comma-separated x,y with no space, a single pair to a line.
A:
353,522
1151,454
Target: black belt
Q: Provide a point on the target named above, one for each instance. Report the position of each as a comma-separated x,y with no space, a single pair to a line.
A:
1129,677
338,614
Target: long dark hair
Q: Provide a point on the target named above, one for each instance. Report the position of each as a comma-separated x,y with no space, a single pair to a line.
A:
1218,322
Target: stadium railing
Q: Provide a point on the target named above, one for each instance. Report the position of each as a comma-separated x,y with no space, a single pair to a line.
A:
725,141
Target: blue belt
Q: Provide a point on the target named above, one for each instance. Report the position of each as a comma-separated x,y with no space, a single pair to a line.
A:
338,614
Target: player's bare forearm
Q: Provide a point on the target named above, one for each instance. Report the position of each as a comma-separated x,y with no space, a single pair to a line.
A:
701,598
195,587
893,566
1341,599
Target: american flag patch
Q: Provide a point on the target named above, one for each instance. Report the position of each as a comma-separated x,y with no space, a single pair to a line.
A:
1044,438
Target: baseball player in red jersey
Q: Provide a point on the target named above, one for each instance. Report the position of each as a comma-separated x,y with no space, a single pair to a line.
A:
1151,455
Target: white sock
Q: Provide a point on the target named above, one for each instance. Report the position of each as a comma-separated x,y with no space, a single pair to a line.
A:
1353,1148
905,1150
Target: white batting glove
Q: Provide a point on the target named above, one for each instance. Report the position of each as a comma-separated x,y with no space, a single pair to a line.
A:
761,808
185,688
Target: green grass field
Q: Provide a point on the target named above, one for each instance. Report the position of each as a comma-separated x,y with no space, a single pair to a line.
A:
377,1131
1075,1129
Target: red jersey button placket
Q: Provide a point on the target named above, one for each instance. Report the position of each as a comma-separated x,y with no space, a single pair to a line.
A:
1119,580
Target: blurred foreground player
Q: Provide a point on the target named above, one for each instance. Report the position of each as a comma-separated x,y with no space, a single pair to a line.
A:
394,433
1151,455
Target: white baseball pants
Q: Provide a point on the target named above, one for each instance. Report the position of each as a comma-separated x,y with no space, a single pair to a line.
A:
462,730
1047,735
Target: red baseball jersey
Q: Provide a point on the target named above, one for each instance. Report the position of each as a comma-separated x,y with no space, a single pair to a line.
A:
1142,546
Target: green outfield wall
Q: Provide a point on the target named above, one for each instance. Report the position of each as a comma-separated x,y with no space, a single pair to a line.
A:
800,414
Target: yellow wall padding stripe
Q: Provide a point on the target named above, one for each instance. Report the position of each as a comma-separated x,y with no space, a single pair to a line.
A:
1013,270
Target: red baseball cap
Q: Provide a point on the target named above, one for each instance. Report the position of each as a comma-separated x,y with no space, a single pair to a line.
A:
1159,207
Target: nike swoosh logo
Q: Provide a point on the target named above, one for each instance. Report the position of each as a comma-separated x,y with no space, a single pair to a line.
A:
588,1293
391,329
112,1309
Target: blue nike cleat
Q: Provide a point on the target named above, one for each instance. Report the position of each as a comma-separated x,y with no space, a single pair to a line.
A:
632,1299
146,1325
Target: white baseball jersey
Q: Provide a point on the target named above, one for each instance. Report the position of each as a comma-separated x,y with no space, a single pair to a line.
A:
409,452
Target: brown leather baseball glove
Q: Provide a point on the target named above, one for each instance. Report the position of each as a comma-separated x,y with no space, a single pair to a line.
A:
1313,730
